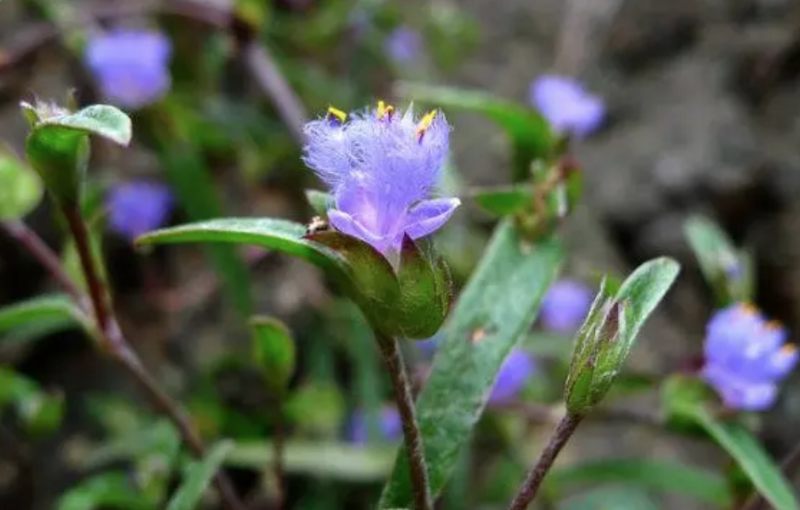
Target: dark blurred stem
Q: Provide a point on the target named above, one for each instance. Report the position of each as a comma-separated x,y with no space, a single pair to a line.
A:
113,341
390,349
46,257
530,487
278,446
789,466
83,244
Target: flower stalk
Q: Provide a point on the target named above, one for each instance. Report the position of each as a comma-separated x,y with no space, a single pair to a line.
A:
390,349
533,481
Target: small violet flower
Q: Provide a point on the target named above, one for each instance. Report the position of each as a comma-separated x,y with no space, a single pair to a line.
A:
403,44
513,376
381,167
389,425
565,306
565,103
131,66
746,357
138,207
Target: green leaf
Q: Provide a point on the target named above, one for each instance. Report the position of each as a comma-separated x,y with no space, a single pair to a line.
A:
611,498
688,399
192,182
365,275
504,200
754,461
113,490
281,235
727,270
274,351
42,309
198,477
39,411
498,305
21,189
335,461
58,144
653,475
530,135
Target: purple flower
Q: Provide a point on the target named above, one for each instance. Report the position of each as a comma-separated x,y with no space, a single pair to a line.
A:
389,425
131,66
403,44
513,376
381,167
746,357
565,306
137,207
567,105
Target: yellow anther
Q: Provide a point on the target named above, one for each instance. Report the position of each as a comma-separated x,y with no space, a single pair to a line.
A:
788,349
425,123
337,114
385,110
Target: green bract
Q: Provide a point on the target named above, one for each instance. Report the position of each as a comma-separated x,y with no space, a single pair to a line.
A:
58,144
411,301
604,341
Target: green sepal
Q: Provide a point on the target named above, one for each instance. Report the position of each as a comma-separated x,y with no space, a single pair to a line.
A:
425,290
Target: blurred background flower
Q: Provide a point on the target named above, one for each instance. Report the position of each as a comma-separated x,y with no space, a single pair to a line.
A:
747,357
137,207
130,66
567,105
565,306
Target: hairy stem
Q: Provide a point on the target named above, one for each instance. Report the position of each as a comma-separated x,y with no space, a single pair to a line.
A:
111,335
390,349
530,487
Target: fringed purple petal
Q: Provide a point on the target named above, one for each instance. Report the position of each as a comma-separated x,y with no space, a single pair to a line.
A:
429,215
379,164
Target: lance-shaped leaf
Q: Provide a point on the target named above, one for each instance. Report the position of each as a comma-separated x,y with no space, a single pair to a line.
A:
274,351
607,336
198,477
58,144
498,305
504,200
366,276
727,270
54,308
530,134
687,399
